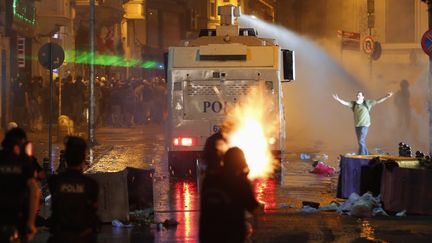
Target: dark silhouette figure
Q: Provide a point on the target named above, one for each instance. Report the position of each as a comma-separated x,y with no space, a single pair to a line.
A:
78,96
20,108
212,153
20,192
68,97
402,102
225,197
74,198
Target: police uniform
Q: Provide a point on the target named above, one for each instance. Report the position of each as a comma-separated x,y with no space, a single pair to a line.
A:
74,198
15,171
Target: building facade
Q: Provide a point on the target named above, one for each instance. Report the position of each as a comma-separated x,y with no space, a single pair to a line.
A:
17,31
397,24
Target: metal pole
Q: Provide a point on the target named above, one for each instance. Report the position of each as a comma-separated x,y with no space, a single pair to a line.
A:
60,98
92,103
371,23
50,108
430,81
370,59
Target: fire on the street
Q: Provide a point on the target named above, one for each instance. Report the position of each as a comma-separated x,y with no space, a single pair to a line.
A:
249,126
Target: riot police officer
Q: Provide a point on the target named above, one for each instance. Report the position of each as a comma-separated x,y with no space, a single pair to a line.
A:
74,198
19,190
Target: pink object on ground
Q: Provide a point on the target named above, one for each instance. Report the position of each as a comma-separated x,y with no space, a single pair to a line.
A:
323,169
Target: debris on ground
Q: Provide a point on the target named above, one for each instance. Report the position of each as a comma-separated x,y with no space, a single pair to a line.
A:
311,204
168,223
47,200
286,205
142,217
321,168
305,156
362,206
320,157
119,224
145,213
308,209
333,206
401,213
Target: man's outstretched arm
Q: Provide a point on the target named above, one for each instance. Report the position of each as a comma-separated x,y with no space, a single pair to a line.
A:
343,102
389,94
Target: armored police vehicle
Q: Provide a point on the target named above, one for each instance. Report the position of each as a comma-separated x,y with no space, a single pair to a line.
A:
205,74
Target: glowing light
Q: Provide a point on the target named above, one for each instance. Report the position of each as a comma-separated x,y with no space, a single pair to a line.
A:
149,64
253,16
249,125
184,141
272,141
81,57
26,14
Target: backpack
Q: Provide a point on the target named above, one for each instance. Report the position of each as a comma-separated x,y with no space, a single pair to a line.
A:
363,104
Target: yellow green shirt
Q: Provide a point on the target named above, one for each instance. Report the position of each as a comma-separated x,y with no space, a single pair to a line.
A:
361,112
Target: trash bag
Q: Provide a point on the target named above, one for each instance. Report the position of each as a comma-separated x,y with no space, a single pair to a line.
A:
364,206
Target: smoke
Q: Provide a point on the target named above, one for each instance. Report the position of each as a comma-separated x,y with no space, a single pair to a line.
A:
315,122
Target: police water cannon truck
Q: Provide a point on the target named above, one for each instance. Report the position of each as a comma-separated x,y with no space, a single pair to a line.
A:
217,68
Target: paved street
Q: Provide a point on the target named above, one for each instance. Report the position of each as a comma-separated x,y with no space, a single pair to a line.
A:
142,147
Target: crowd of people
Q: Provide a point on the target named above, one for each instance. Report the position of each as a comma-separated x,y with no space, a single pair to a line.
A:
119,103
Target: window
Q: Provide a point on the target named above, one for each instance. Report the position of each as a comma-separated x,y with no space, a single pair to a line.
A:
212,9
400,21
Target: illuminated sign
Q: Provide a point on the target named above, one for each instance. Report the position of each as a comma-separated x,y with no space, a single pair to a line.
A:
24,10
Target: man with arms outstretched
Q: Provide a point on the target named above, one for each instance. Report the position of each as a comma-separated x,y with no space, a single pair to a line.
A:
361,108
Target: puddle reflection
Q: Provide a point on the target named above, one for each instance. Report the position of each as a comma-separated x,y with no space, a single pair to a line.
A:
186,201
265,191
368,231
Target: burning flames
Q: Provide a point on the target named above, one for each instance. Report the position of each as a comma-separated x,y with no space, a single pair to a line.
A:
252,126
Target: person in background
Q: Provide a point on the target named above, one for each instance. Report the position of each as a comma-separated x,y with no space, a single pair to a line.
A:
361,109
213,153
20,114
78,97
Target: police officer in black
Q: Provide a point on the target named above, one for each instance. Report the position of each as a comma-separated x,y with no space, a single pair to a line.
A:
19,191
74,198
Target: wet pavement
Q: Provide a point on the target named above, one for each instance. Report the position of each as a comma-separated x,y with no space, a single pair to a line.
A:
143,147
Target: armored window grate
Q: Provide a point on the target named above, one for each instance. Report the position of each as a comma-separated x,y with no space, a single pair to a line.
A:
237,89
205,89
209,90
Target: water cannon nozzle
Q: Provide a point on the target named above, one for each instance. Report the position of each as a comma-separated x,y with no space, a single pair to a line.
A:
228,13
